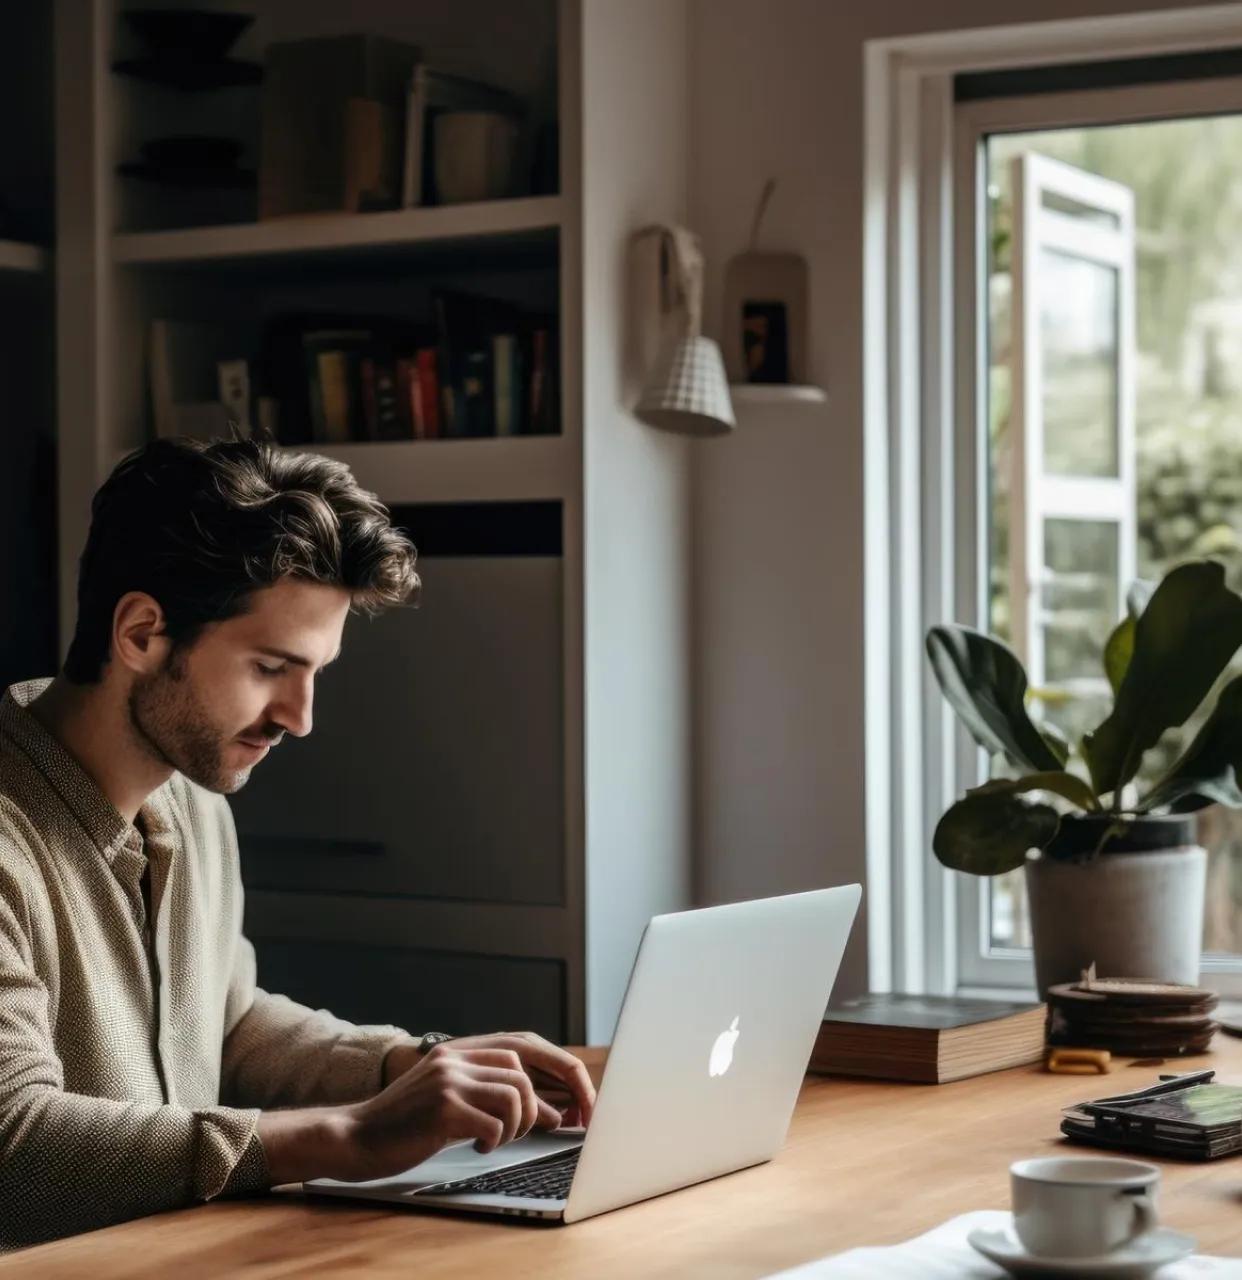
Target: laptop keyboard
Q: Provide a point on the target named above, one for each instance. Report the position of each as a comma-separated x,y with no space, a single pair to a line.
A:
547,1180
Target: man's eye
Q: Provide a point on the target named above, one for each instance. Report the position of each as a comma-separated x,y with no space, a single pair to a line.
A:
269,671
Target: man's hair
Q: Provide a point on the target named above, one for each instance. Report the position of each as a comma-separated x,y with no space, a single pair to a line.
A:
201,527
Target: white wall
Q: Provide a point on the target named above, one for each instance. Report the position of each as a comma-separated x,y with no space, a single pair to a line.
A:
776,91
635,503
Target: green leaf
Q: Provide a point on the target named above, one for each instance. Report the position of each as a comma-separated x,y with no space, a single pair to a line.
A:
1066,785
1118,651
1057,742
1207,772
985,684
989,830
1183,639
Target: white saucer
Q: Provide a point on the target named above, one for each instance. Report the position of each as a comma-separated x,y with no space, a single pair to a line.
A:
1136,1261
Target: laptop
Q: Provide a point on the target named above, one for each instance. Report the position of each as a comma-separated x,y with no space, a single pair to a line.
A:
711,1045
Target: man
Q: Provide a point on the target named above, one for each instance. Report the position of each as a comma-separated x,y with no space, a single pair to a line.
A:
140,1066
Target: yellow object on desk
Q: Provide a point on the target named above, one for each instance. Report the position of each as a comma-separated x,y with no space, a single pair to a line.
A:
1078,1062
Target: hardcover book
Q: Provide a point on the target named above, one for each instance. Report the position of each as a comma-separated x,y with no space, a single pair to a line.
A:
927,1039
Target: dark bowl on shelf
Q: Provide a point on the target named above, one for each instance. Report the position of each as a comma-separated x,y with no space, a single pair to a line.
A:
201,34
190,151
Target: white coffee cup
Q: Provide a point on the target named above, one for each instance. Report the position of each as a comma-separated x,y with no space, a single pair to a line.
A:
1082,1206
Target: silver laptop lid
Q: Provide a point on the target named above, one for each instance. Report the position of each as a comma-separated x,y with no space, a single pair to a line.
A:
715,1032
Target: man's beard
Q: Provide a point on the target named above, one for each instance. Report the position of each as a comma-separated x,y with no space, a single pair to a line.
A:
174,726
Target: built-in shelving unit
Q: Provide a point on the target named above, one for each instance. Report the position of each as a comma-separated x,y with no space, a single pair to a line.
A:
28,595
29,258
459,832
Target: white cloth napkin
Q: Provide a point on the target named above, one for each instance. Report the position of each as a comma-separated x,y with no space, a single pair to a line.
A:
944,1254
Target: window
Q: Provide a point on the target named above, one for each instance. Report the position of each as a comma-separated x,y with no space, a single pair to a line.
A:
1052,350
1112,422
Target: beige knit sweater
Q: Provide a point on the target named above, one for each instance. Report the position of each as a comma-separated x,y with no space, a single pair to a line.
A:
133,1063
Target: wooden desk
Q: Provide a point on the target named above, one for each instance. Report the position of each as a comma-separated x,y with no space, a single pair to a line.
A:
865,1163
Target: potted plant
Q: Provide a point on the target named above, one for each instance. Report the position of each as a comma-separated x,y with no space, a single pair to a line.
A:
1113,875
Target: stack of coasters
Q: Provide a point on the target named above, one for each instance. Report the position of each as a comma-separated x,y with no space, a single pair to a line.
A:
1130,1016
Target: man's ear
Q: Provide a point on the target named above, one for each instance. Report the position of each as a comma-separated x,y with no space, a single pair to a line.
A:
139,641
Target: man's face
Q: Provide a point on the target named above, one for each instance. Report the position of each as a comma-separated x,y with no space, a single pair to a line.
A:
215,708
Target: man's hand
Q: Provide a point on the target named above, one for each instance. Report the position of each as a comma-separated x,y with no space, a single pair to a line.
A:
558,1076
491,1089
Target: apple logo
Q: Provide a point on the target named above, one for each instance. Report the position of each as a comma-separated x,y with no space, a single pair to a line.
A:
722,1051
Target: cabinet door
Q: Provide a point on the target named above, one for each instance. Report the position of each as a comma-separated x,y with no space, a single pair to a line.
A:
1073,547
418,990
435,766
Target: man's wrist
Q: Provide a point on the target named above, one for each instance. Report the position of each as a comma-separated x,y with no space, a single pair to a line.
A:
311,1142
399,1059
408,1053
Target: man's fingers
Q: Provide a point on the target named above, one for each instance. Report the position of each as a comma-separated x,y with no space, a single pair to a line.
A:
541,1059
549,1116
501,1093
560,1064
474,1122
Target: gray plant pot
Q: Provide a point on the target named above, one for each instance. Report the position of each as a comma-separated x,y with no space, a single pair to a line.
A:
1135,911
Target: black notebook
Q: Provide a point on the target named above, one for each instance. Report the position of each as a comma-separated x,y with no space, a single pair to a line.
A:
1186,1115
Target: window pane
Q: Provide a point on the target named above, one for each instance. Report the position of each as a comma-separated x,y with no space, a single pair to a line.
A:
1186,176
1011,925
1081,597
1058,202
1078,340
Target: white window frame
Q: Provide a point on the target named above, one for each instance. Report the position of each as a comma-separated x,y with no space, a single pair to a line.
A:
1037,495
923,497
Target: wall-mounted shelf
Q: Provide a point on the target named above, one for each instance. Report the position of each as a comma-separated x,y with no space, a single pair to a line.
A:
29,258
494,469
488,469
497,222
776,393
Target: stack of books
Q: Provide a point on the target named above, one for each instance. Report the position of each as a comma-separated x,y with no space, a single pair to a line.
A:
927,1039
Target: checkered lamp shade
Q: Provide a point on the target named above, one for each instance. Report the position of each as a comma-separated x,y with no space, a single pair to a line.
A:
688,391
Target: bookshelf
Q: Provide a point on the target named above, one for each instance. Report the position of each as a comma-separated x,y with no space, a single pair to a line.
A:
496,796
27,340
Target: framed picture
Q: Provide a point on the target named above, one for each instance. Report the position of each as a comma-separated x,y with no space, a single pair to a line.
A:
765,341
764,331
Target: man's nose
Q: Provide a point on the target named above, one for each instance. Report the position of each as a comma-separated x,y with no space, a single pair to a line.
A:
294,712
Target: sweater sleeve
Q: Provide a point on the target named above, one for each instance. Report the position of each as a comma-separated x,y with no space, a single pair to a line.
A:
278,1053
71,1162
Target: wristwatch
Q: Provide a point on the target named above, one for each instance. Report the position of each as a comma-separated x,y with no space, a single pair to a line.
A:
431,1039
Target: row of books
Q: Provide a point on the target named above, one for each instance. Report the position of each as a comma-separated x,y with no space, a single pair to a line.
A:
360,388
485,367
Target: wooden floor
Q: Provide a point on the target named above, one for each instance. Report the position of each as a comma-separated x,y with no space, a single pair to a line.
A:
865,1163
